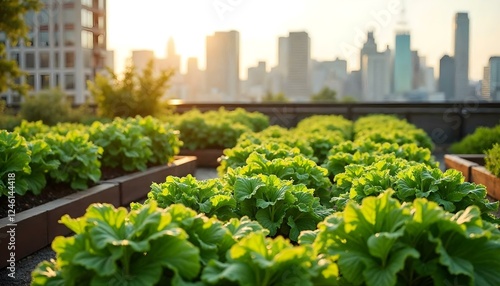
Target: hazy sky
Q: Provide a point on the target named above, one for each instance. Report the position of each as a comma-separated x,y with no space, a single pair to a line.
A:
336,27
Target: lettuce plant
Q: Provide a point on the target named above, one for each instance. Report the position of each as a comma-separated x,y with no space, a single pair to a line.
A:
79,159
237,156
279,206
115,247
382,242
206,197
15,159
124,144
298,169
257,260
492,160
165,143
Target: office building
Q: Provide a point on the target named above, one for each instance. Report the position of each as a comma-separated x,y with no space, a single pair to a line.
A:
403,64
494,78
461,56
222,67
376,76
66,47
297,84
446,83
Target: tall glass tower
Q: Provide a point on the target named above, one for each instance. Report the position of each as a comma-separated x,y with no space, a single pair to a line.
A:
461,56
403,67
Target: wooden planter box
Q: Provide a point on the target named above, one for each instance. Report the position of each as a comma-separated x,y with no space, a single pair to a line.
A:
480,175
37,227
205,158
472,166
463,163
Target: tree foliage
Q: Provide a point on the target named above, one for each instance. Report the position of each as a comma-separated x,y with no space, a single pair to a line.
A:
50,106
132,94
13,25
325,95
278,97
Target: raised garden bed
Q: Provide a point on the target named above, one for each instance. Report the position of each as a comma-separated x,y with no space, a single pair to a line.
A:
35,228
205,158
472,166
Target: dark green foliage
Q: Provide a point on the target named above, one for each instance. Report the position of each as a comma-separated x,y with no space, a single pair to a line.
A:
49,106
79,159
217,129
478,142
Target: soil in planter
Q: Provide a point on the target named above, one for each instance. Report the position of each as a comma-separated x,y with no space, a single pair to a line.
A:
51,192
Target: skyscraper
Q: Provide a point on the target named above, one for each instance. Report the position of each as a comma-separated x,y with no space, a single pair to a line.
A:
494,78
376,76
447,77
403,67
369,48
298,86
461,56
223,66
66,46
173,59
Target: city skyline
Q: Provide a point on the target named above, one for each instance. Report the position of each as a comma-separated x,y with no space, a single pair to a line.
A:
190,23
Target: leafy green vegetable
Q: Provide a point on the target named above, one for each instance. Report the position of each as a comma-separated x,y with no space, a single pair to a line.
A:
113,247
257,260
124,144
165,141
79,159
298,169
206,197
280,206
42,162
217,129
492,160
383,242
15,160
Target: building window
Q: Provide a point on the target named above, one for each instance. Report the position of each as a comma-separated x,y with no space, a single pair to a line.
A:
69,59
68,16
43,39
57,80
100,4
56,60
100,22
100,42
87,39
30,80
15,57
30,39
87,58
69,81
3,38
44,60
30,61
44,81
87,3
69,38
87,19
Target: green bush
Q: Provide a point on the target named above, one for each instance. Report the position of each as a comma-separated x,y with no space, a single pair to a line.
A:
49,106
217,129
478,142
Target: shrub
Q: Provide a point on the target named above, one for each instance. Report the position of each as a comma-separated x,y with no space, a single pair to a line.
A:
49,106
478,142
